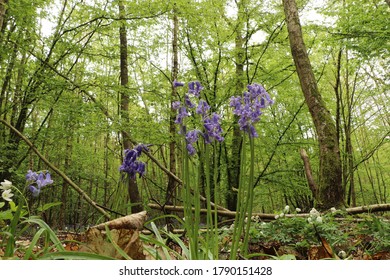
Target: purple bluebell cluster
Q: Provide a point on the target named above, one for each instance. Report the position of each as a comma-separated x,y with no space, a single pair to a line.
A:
211,121
131,165
248,107
37,181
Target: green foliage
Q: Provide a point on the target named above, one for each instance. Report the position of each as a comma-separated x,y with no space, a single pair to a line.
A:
61,90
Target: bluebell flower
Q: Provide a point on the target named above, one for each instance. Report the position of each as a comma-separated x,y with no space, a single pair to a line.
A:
131,165
191,150
195,88
213,128
176,105
203,108
181,115
35,191
31,176
248,107
191,137
211,125
37,181
188,102
177,84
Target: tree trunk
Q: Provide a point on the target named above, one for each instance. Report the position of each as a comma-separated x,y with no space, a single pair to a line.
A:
3,9
235,160
170,193
132,187
330,172
308,172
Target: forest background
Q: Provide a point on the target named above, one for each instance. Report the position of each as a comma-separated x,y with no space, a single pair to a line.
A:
63,86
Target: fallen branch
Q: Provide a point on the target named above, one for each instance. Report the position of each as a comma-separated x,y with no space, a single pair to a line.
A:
264,216
56,170
368,209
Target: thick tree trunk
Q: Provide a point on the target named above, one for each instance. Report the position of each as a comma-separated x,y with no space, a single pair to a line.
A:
330,174
133,191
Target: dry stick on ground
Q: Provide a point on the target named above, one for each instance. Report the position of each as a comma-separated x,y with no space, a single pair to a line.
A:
55,169
264,216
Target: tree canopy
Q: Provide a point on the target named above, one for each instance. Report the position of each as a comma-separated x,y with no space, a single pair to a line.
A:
62,88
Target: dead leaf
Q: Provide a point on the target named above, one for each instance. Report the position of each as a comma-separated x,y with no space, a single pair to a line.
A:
381,256
327,247
133,221
124,232
318,253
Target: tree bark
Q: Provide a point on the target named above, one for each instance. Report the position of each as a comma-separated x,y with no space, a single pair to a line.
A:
235,160
3,9
132,187
309,176
330,171
172,184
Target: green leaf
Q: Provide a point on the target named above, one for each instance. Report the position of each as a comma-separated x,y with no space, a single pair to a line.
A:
2,204
53,237
12,206
48,206
66,255
6,215
34,241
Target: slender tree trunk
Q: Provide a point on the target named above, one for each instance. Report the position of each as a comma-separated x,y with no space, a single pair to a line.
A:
64,194
309,176
349,163
235,160
3,9
170,193
133,191
330,173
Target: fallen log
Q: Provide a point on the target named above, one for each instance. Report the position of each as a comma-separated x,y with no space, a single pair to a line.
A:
265,216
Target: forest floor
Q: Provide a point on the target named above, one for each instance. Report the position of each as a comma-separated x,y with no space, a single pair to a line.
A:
358,237
362,237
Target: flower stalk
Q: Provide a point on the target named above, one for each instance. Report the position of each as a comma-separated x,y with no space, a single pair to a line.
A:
249,109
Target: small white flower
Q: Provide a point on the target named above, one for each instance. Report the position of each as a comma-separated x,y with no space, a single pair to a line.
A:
286,209
281,215
310,220
7,195
314,213
298,210
333,209
255,219
277,217
342,254
6,185
319,219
